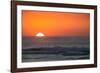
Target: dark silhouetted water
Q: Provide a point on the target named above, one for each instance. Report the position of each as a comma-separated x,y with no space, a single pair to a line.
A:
36,49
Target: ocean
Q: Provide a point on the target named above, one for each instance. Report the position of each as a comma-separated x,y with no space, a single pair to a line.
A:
37,49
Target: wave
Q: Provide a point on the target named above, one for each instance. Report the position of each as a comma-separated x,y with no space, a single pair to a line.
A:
54,53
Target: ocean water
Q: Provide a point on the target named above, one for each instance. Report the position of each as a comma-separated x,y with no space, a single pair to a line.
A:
37,49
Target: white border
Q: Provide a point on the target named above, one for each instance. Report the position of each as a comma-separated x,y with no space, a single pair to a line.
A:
53,63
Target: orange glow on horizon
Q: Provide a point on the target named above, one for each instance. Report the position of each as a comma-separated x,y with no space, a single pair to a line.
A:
55,23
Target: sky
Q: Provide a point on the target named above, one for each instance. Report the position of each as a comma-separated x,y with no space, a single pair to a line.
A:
55,23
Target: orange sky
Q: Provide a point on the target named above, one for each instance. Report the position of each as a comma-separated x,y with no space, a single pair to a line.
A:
55,23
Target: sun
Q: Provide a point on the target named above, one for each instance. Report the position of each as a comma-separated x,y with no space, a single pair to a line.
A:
40,34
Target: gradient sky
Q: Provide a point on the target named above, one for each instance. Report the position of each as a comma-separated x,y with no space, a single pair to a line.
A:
55,23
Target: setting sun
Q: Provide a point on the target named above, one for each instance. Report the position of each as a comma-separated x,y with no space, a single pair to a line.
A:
40,34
